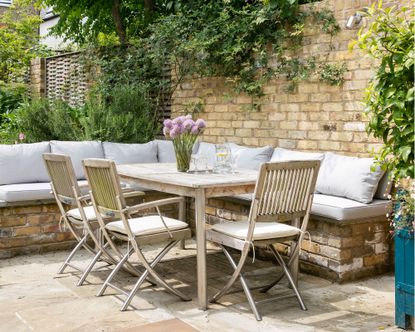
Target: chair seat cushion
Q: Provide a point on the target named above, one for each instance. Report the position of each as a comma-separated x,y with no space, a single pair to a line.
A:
263,230
341,208
147,225
89,213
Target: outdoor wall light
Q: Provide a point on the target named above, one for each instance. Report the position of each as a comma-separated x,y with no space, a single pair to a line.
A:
354,20
357,18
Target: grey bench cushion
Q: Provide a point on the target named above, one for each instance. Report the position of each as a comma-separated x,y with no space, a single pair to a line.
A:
339,208
78,151
31,191
25,192
123,153
23,163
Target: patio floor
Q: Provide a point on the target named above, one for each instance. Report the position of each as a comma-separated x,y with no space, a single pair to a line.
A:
34,298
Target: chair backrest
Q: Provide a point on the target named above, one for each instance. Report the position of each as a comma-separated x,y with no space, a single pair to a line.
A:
284,190
62,175
105,186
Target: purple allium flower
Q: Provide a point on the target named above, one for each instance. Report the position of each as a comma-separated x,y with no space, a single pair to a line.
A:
200,123
195,130
179,119
168,123
174,133
188,124
22,136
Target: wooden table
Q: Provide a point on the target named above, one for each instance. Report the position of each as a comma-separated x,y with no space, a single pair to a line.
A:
165,178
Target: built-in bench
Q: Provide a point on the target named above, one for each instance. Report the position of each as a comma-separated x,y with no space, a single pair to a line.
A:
349,235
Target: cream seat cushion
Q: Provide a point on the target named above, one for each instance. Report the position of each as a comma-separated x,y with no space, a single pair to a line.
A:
147,225
89,212
263,230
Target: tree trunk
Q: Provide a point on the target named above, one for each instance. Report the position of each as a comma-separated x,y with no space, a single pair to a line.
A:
149,5
116,15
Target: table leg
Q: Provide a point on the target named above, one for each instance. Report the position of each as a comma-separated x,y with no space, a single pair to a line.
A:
182,217
200,205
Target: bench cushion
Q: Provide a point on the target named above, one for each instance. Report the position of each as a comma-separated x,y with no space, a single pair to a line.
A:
348,177
340,208
131,153
23,163
31,191
78,151
251,158
165,151
281,154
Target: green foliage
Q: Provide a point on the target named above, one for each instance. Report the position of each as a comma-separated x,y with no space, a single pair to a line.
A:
42,120
11,95
126,116
19,40
332,74
389,98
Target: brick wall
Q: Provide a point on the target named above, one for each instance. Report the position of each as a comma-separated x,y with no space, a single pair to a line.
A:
31,229
316,116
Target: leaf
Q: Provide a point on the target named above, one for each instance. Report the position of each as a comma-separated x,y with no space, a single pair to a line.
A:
405,151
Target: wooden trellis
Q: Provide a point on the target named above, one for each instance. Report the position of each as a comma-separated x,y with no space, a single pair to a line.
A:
66,78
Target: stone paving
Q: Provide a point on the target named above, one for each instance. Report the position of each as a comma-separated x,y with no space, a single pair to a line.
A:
34,298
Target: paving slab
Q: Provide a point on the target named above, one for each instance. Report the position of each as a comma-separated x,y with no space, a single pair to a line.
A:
34,298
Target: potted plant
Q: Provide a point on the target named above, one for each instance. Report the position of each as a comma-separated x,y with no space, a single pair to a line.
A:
184,131
389,40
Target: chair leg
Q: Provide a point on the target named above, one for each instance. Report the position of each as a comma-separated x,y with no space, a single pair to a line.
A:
89,268
145,274
234,276
289,277
72,254
248,294
293,259
156,276
114,272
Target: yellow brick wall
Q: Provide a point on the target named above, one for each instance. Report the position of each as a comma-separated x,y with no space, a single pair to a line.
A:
316,117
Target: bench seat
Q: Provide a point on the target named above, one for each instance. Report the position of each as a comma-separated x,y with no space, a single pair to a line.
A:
338,208
36,191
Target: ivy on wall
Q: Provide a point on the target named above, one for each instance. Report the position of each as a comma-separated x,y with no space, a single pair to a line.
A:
246,42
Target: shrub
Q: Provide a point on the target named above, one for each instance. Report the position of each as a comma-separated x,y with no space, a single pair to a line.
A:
127,115
42,120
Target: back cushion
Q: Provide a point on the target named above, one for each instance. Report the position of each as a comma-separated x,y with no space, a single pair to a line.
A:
23,163
207,150
281,154
165,151
131,153
251,158
348,177
384,187
78,151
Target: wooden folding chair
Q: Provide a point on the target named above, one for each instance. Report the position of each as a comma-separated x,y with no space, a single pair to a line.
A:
78,214
108,200
284,192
